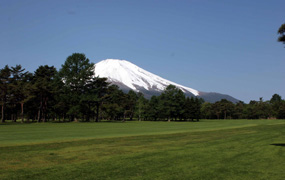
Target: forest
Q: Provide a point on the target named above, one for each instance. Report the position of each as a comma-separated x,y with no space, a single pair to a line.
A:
74,93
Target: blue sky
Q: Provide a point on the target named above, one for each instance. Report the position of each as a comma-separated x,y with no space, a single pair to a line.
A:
220,46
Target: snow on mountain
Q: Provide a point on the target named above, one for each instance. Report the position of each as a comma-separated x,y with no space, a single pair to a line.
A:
134,77
129,76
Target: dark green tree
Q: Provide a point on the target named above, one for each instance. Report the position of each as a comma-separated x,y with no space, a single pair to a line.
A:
130,103
168,101
5,74
217,108
263,109
141,106
207,110
281,110
189,112
252,110
179,104
43,85
239,110
114,105
154,108
223,109
76,73
95,93
275,102
60,107
197,108
21,88
26,94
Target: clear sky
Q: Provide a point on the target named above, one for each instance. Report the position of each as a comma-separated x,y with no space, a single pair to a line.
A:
225,46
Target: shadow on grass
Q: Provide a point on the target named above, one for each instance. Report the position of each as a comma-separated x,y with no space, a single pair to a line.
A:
278,144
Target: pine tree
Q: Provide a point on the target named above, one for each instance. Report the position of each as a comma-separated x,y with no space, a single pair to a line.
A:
207,110
197,106
168,101
76,73
21,88
95,92
43,85
113,106
180,103
189,108
275,102
154,108
131,102
141,103
281,110
5,74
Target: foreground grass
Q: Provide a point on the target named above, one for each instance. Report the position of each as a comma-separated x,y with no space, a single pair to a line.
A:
209,150
21,134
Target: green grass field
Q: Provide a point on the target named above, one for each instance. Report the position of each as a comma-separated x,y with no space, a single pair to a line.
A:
210,149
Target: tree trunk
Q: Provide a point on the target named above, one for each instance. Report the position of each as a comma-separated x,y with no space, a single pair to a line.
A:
40,111
39,115
124,116
14,116
22,112
45,110
97,112
88,113
131,116
2,112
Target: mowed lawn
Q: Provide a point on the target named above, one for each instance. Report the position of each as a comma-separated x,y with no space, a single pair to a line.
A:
210,149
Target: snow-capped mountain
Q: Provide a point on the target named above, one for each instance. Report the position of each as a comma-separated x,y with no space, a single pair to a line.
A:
134,77
129,76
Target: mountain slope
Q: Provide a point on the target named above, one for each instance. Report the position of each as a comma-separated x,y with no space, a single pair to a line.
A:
129,76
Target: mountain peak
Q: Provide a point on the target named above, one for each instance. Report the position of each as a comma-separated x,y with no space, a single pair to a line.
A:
129,76
125,73
113,61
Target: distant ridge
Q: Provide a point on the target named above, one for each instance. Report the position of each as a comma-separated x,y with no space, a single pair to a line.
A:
129,76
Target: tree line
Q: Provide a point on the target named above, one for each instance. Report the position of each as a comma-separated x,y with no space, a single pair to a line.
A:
223,109
75,93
